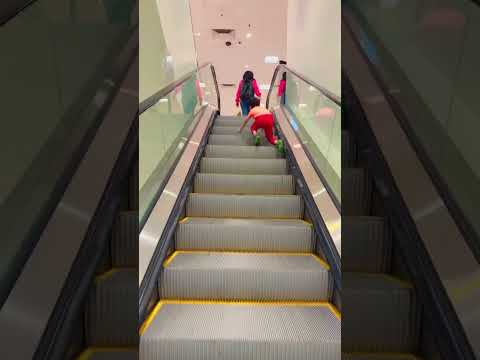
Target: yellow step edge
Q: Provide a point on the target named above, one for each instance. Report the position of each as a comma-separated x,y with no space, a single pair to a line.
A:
178,252
88,352
110,272
187,218
162,302
382,355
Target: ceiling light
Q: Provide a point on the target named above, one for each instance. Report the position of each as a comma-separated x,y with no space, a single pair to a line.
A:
248,36
245,66
302,105
271,59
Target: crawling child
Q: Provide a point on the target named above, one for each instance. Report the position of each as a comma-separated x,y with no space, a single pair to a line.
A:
263,119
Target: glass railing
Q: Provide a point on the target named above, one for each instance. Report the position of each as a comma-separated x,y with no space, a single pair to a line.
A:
431,70
315,115
55,59
165,127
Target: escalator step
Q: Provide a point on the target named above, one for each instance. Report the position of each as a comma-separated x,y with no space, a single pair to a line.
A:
244,184
244,235
235,121
125,240
245,206
109,354
232,331
245,276
244,166
366,246
239,152
225,130
379,356
384,307
356,192
111,310
246,138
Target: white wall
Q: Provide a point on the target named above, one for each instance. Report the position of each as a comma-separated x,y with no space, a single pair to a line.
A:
314,41
265,21
167,49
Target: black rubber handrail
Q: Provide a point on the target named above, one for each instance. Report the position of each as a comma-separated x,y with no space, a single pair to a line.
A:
152,100
310,82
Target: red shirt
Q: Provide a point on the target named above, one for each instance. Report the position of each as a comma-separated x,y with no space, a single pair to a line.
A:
256,90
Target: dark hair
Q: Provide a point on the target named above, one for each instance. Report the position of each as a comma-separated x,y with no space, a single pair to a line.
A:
282,62
254,102
284,76
248,76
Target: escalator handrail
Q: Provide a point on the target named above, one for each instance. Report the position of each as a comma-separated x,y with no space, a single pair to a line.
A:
155,98
336,99
149,279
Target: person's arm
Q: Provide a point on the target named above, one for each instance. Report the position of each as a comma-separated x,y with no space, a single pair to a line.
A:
256,89
237,97
245,121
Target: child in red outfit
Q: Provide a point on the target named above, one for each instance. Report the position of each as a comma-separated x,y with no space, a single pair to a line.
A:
263,119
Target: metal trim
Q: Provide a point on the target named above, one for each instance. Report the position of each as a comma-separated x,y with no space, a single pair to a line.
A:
325,215
28,308
422,215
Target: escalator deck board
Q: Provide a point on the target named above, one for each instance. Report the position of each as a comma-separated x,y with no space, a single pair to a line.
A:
255,331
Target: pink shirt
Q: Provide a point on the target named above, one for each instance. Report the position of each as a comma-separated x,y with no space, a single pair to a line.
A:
256,90
281,87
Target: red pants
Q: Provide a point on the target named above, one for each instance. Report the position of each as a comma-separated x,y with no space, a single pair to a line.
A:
265,122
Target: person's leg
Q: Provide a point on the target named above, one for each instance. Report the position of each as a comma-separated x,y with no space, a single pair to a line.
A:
253,129
245,107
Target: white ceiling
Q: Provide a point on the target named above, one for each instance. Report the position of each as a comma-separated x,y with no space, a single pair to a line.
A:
265,20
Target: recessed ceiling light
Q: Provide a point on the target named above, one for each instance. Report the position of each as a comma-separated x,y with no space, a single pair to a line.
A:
271,59
245,66
248,36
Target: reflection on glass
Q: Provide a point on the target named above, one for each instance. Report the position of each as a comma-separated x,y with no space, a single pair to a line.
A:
164,130
317,122
431,70
55,56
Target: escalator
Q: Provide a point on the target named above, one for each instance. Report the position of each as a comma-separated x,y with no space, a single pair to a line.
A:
243,279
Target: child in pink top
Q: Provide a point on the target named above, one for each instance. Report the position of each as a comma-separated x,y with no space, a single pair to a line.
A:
247,88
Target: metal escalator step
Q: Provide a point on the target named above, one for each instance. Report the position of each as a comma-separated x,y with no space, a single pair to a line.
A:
225,130
380,314
246,138
229,121
348,150
245,206
125,240
98,353
244,235
244,166
207,275
241,152
366,246
244,184
379,356
111,310
356,192
235,331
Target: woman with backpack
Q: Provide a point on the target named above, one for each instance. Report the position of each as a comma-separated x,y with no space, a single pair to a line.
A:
247,89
